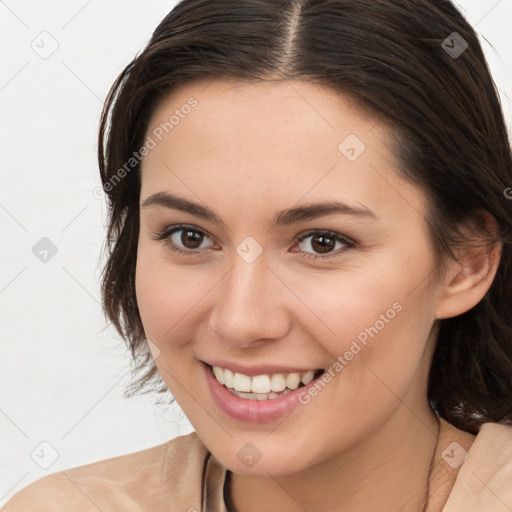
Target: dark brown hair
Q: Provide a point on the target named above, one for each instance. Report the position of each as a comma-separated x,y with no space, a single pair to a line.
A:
393,57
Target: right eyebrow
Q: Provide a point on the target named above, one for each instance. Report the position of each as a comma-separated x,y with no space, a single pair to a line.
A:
179,203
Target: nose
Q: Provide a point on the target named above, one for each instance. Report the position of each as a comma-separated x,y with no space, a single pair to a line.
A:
250,305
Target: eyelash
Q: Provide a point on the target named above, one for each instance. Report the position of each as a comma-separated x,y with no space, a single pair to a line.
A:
165,234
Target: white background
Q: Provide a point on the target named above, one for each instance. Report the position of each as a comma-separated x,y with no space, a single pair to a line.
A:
63,370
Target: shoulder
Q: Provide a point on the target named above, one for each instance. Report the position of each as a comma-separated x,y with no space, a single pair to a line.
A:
134,481
484,482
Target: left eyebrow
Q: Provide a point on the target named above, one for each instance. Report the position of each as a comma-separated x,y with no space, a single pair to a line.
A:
315,210
281,218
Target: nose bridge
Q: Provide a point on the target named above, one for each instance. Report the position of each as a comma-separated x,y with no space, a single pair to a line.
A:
247,307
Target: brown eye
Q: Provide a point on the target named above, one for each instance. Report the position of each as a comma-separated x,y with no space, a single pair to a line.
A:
326,243
322,243
191,239
184,239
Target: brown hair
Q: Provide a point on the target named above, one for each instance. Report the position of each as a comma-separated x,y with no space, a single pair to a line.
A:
393,57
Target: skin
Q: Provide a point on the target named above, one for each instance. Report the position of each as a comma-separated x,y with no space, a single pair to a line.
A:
247,151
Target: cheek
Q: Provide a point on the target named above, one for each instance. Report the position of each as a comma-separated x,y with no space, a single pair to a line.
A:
367,324
342,304
168,296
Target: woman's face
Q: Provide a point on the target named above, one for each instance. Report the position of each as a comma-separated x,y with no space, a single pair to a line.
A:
265,283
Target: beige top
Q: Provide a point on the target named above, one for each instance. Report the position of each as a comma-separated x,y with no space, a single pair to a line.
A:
181,475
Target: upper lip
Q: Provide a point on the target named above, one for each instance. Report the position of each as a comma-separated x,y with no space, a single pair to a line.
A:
259,369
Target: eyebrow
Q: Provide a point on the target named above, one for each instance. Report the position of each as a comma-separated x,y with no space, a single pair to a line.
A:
281,218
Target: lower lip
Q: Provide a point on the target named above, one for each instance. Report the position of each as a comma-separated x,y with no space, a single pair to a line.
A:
253,411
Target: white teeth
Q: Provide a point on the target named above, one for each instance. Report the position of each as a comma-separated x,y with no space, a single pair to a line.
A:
259,396
228,377
242,382
260,384
261,387
308,377
278,382
219,374
293,380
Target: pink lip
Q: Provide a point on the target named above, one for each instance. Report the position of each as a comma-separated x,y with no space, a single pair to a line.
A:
258,369
253,411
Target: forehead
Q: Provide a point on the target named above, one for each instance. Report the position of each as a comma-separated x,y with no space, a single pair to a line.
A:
252,112
281,139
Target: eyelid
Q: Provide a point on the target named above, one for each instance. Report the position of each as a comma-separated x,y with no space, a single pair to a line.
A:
333,234
169,230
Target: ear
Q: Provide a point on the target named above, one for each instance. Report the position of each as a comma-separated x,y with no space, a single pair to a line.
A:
468,279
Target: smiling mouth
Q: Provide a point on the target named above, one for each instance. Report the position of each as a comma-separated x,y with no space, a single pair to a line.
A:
265,386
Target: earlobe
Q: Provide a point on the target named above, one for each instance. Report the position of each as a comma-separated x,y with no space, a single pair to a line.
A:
468,279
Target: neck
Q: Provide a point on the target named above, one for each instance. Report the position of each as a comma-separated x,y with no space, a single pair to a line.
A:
387,471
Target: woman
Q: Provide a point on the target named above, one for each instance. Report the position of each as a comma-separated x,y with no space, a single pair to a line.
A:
310,248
